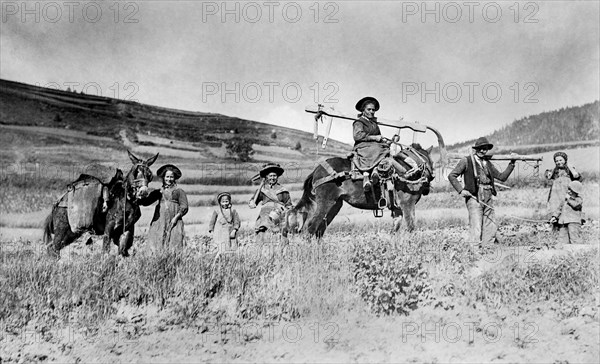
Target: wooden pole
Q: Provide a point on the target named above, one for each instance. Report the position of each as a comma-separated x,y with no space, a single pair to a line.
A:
319,110
502,157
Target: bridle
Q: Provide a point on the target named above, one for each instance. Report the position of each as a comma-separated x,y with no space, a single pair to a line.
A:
133,186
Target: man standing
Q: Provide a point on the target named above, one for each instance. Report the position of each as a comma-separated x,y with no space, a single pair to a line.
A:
478,177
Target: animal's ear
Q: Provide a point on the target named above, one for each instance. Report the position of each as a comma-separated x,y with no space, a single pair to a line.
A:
429,149
119,174
151,160
134,159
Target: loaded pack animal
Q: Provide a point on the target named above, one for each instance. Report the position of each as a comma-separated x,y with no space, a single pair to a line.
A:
335,180
112,209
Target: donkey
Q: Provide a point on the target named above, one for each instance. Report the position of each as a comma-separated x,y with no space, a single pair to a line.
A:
331,183
118,216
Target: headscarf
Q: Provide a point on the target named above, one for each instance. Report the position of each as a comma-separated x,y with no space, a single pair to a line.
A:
561,154
565,167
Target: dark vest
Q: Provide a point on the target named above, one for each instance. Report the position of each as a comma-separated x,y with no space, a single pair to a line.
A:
369,126
471,184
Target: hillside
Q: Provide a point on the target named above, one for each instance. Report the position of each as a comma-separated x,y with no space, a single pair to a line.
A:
553,129
29,105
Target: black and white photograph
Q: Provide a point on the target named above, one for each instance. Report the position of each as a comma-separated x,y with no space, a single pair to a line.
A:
299,181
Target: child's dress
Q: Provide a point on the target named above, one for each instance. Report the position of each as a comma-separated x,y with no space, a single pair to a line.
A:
222,222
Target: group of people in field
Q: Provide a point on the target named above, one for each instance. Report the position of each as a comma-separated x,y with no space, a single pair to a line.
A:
167,228
477,188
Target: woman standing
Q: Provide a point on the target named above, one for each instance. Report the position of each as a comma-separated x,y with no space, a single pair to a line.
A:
275,199
561,176
166,229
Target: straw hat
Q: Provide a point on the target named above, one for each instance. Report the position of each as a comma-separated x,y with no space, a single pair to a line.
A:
271,167
360,105
169,167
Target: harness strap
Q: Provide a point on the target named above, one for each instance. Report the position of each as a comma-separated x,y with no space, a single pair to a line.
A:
411,152
474,166
333,175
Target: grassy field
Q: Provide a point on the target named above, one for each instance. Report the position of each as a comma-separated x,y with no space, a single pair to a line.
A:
361,294
342,284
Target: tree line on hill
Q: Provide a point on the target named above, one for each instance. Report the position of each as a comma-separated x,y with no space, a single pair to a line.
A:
570,124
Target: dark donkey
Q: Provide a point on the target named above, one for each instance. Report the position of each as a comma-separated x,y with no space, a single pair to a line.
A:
319,205
117,218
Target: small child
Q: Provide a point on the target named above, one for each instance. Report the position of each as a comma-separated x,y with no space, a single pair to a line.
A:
225,222
568,217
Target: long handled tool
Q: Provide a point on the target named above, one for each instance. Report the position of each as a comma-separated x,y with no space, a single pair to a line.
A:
320,111
502,157
514,217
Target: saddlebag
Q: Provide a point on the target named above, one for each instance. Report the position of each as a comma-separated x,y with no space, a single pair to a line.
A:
84,199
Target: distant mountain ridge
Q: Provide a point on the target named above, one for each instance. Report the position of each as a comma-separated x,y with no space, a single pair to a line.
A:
24,104
559,127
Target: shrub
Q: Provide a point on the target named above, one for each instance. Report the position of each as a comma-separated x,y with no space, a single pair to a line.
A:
240,149
389,280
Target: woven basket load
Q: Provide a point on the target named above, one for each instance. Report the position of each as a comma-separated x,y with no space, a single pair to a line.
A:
83,202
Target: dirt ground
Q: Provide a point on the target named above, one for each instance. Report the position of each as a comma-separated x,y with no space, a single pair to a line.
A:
460,336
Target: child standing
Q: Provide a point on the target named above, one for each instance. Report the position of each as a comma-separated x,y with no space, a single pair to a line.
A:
225,222
568,217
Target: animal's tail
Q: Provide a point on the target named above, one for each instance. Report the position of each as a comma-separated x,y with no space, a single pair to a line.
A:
49,227
308,198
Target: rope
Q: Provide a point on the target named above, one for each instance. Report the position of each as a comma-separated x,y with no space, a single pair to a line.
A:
512,216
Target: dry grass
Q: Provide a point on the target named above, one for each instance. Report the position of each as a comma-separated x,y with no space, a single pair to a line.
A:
393,274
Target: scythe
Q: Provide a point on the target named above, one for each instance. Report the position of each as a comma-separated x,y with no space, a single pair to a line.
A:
321,111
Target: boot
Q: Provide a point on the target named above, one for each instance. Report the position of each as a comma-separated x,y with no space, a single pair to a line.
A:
375,178
366,183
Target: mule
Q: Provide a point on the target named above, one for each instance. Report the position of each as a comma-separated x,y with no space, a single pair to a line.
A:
116,220
320,204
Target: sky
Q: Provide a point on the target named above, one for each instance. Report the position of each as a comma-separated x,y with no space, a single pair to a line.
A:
465,68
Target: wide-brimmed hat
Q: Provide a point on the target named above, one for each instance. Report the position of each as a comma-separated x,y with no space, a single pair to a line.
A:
223,194
560,154
576,187
271,167
169,167
482,143
361,103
